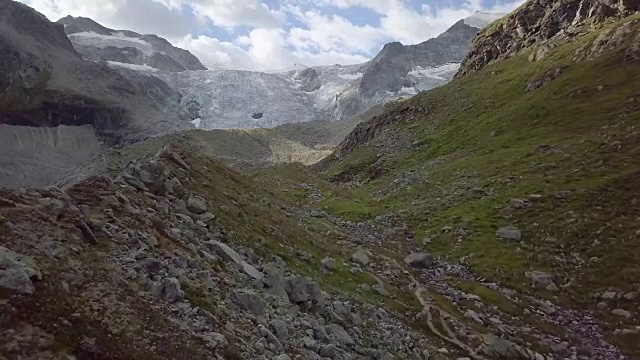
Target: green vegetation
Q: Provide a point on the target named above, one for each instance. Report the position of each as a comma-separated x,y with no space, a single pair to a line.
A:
561,162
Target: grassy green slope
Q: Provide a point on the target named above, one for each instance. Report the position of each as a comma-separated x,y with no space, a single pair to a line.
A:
465,154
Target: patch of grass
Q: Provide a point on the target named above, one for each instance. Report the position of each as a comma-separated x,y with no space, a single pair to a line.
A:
490,297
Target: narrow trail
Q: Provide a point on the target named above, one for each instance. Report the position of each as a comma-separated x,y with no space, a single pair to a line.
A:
581,331
426,311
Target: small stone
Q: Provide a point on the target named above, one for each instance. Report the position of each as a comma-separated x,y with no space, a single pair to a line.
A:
609,295
329,263
562,195
379,288
509,233
631,295
602,305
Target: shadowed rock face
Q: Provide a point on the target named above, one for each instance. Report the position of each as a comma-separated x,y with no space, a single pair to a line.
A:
45,82
542,24
164,56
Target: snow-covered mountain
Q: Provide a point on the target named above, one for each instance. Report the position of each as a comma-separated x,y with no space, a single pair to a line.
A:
223,98
96,42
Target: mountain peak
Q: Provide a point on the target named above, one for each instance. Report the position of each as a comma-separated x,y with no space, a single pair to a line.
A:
99,43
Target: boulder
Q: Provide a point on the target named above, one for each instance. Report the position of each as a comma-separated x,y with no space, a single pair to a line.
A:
230,255
339,334
541,279
302,290
622,313
171,290
280,327
360,257
509,233
498,348
17,271
196,205
328,351
419,260
248,300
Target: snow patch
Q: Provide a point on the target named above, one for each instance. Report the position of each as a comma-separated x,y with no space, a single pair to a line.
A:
118,40
435,73
196,122
350,76
134,67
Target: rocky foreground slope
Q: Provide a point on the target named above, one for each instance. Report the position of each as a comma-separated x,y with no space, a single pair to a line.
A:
492,218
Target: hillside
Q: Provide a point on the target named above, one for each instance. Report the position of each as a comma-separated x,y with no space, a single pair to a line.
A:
494,217
520,177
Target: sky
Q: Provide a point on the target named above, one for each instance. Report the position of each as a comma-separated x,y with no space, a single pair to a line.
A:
277,34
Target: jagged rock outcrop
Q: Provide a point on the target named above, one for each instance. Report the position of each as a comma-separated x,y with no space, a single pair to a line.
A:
98,43
542,24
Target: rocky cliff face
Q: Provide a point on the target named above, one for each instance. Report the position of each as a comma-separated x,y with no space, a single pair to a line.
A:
98,43
543,24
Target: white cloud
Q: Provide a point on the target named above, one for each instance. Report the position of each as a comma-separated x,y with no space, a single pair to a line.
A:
233,13
333,33
267,37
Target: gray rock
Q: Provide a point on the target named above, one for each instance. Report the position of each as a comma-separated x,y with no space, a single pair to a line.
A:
280,327
419,260
622,313
196,205
609,295
17,271
328,351
498,348
310,344
509,233
271,339
171,290
229,255
52,206
87,233
282,357
249,301
329,263
360,257
338,333
301,289
274,281
540,279
379,288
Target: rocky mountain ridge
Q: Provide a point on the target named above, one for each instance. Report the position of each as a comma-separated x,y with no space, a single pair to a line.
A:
98,43
544,25
247,99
